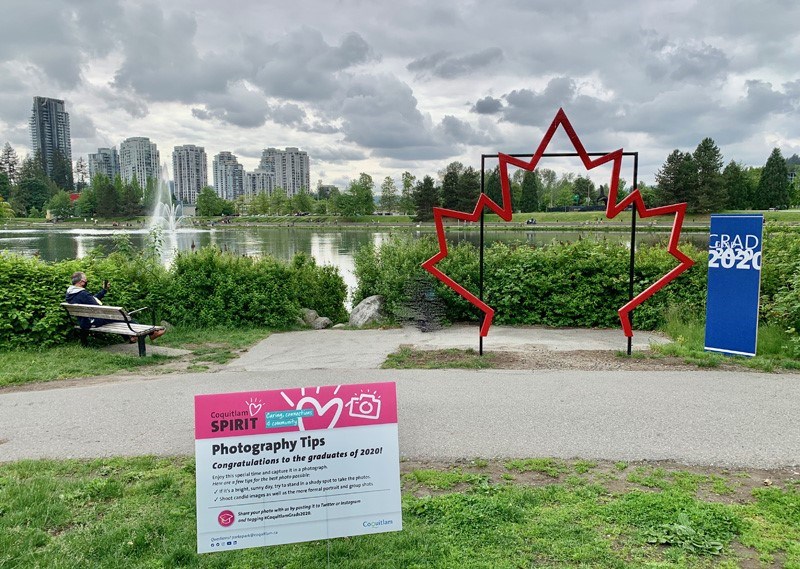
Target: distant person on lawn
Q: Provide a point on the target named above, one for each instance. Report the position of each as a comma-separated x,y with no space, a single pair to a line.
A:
77,294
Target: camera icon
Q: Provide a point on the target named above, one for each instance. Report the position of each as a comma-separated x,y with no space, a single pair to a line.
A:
365,406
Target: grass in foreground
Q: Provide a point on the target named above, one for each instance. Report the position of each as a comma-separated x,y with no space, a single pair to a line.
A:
688,334
140,512
410,358
208,346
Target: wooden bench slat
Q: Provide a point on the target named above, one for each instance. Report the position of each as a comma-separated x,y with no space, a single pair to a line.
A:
122,328
96,311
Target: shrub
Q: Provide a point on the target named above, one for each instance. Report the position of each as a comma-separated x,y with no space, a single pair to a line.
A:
569,284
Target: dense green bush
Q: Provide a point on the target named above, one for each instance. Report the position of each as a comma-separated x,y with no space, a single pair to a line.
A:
207,288
573,284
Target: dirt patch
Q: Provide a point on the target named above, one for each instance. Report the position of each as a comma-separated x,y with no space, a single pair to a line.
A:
717,484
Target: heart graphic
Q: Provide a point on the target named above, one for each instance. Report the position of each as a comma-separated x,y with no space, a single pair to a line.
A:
321,410
254,408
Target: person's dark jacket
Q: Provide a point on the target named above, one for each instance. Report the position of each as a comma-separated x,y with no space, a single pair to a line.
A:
78,295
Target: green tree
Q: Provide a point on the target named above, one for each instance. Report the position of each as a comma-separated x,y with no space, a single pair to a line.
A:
389,198
584,188
449,185
279,202
61,172
492,187
6,211
469,189
86,204
107,196
302,202
407,195
60,206
549,183
9,163
711,195
30,193
208,203
773,187
738,186
5,185
130,197
358,199
677,180
259,205
426,197
531,189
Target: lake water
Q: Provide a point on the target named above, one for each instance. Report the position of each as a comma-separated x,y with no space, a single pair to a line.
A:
328,247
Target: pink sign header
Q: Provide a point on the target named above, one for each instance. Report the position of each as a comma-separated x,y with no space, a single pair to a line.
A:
294,409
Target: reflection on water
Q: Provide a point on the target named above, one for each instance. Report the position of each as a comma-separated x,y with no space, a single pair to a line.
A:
327,247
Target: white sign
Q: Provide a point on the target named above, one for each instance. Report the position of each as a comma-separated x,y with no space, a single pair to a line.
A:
296,465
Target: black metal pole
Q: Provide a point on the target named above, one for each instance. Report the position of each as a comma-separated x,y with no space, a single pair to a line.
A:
633,246
480,264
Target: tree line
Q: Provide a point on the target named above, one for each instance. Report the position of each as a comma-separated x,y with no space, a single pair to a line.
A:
697,178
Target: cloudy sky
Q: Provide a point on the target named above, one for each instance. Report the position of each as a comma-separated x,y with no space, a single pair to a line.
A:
383,87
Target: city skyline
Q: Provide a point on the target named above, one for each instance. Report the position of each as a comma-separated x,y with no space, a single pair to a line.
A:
408,86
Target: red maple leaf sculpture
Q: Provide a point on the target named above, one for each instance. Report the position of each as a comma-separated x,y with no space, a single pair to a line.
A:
612,210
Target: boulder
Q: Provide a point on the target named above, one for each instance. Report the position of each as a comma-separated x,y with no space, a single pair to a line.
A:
369,311
321,323
309,316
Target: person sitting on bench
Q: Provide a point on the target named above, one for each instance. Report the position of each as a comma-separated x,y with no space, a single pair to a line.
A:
77,294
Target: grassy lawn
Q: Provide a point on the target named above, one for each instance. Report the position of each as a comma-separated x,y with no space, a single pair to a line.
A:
140,512
410,358
208,347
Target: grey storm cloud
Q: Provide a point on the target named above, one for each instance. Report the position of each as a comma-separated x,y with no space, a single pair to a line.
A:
487,106
303,66
445,66
691,61
162,63
238,106
337,154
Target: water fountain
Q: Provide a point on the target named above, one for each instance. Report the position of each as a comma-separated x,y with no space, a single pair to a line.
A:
165,215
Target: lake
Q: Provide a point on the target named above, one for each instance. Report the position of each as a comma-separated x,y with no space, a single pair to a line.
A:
328,247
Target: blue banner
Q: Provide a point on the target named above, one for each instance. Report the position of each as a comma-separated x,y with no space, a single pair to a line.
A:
734,284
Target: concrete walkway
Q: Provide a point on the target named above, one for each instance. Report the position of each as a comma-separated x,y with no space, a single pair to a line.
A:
367,349
706,417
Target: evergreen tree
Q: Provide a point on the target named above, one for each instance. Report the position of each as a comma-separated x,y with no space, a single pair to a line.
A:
531,190
738,186
584,188
62,171
6,211
493,189
389,198
449,177
773,187
710,187
677,180
469,189
9,163
130,197
107,197
86,204
426,197
5,186
407,196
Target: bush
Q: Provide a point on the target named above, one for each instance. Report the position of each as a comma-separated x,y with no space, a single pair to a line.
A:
574,284
207,288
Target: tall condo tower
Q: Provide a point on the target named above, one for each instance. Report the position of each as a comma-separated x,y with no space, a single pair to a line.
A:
49,127
228,176
106,162
290,166
140,158
190,172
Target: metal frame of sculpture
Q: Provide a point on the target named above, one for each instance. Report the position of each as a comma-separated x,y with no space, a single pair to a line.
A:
613,209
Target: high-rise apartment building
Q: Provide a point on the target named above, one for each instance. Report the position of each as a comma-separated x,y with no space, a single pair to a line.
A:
139,158
106,162
190,172
49,127
228,176
290,166
259,182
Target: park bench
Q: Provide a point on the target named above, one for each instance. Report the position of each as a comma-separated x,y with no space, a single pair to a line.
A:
122,322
